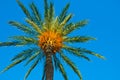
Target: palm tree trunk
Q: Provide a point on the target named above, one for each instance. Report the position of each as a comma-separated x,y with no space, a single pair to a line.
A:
49,70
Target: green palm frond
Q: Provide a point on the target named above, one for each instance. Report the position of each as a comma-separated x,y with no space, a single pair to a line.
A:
75,26
67,18
31,68
34,25
46,7
36,53
14,43
20,58
55,61
66,27
62,71
60,66
14,63
91,52
51,12
22,27
25,10
26,53
25,38
56,23
63,13
36,14
71,64
76,52
78,39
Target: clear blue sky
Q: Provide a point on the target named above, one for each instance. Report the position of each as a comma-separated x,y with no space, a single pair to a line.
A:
104,16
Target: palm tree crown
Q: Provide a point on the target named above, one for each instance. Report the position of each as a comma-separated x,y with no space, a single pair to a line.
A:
49,39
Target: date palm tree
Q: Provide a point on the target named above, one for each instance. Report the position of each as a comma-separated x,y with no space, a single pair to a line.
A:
48,40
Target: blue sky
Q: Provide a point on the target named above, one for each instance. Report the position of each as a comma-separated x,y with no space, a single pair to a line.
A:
104,19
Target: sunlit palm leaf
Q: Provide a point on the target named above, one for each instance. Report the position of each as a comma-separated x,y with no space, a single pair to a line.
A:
68,25
23,53
78,39
34,25
56,22
36,53
67,18
63,13
14,63
31,68
25,10
36,13
91,52
46,7
76,52
55,61
71,28
51,12
14,43
63,71
22,27
60,67
71,64
25,38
